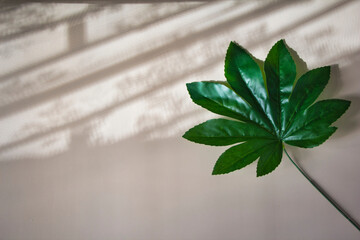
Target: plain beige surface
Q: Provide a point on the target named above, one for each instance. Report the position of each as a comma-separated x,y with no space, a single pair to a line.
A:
135,190
93,105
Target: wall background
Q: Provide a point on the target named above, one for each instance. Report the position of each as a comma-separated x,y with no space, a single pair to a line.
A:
93,105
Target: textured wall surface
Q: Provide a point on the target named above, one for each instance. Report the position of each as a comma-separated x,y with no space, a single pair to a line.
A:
93,105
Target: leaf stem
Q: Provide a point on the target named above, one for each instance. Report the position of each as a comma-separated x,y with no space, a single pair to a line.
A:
337,206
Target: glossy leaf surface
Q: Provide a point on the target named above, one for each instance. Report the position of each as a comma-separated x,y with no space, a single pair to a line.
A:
280,73
220,99
267,112
222,132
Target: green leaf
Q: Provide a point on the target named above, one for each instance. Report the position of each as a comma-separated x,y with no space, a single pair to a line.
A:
324,112
273,111
306,91
222,132
240,156
269,159
245,77
310,136
280,73
220,99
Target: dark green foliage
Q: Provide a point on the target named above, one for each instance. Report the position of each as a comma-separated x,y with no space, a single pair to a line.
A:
268,112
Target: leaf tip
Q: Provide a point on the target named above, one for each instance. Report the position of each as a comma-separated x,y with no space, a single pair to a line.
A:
232,43
188,136
263,173
219,168
260,173
233,46
192,90
216,171
326,69
189,85
281,41
348,102
184,135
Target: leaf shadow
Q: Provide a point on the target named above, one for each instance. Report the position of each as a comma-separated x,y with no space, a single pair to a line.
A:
301,66
350,120
334,85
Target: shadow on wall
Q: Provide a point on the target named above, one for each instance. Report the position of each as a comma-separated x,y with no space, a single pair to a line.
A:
125,64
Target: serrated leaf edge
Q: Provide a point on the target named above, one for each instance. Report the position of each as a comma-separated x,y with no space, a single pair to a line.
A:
298,129
245,165
235,120
319,143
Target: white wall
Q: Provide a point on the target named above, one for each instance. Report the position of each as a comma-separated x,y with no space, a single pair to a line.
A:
93,105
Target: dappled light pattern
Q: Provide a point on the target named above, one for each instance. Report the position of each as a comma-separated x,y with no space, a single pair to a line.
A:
118,71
